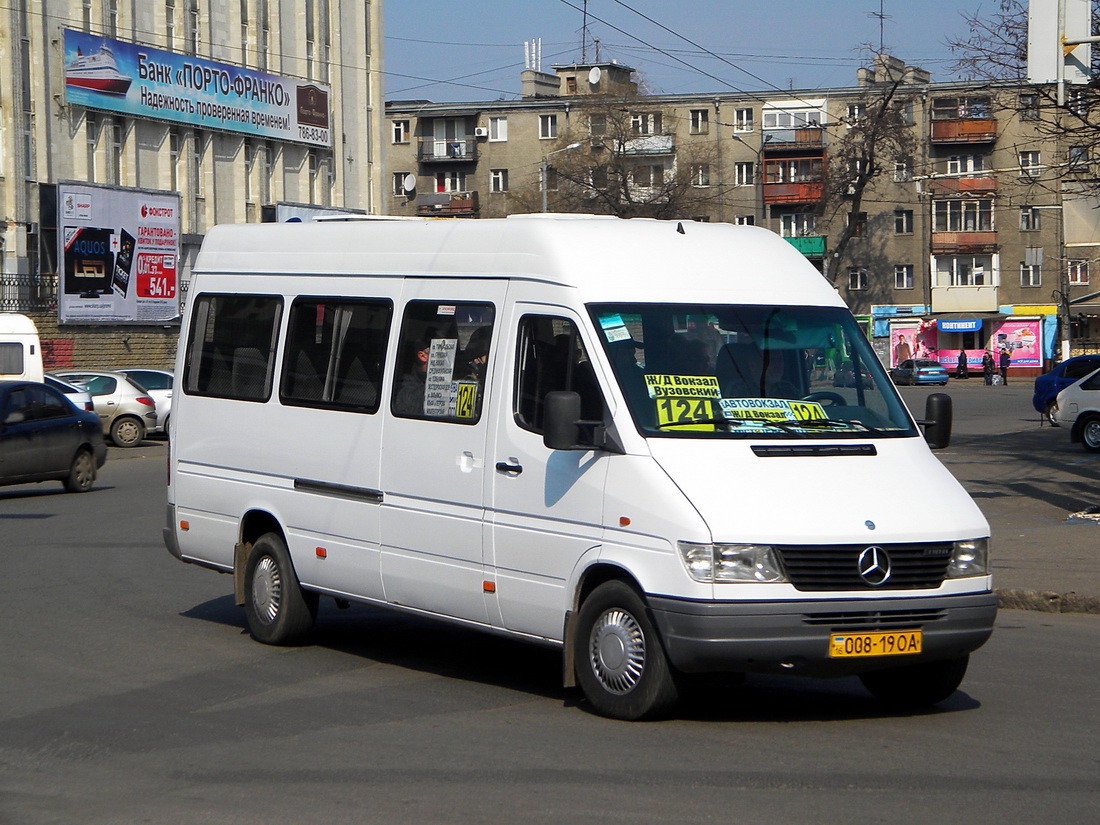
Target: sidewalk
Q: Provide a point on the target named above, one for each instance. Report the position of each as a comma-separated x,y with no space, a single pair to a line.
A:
1029,481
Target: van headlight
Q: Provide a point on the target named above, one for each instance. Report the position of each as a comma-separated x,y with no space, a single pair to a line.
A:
731,562
969,558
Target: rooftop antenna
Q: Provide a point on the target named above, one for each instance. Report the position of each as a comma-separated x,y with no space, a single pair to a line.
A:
882,17
584,33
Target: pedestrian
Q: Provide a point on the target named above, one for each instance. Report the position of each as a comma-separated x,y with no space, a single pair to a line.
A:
988,366
963,370
1005,360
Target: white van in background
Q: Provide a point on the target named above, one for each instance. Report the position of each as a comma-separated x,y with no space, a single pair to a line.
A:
620,438
20,350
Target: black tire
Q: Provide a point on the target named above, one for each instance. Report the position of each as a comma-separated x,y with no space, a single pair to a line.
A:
619,662
279,612
916,686
127,431
81,473
1090,432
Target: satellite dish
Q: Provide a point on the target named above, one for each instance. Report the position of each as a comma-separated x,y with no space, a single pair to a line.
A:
594,76
409,183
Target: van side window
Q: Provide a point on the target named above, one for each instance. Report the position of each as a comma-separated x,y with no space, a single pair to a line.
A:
551,358
442,361
335,351
11,359
231,350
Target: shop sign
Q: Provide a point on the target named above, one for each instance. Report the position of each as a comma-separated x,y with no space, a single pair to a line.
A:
967,325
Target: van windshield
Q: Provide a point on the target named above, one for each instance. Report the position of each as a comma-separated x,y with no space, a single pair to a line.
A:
721,371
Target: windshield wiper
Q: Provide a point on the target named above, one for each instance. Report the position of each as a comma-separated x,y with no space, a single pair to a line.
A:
823,423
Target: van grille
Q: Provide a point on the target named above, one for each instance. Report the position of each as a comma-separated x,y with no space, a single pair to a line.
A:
835,566
875,619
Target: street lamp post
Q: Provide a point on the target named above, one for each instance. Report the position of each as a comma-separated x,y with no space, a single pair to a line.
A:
545,166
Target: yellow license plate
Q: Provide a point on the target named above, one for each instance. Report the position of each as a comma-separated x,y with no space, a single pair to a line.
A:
896,643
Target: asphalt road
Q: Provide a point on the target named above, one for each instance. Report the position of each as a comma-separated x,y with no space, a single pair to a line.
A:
129,692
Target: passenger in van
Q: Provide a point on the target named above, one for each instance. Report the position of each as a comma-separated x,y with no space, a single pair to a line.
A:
408,398
476,354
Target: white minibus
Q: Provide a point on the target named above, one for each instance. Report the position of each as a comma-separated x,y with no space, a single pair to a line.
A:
20,348
666,448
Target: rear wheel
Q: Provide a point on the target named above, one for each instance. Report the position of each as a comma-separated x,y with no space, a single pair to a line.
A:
279,612
1090,433
620,664
916,686
127,431
81,473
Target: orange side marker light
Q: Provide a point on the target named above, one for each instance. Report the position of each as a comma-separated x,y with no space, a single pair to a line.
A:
489,587
322,553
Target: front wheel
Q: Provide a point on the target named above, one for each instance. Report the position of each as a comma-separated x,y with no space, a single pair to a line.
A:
81,473
279,612
127,431
916,686
1090,433
620,664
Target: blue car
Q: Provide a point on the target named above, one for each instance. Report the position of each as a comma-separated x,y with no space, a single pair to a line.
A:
1048,385
919,371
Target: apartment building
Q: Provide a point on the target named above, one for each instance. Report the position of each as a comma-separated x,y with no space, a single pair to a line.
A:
960,245
219,110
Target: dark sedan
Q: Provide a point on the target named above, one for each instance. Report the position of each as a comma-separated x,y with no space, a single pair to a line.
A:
1049,384
44,437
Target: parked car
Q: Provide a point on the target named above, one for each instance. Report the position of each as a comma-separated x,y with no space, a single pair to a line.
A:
126,410
919,371
78,395
845,375
45,437
1049,384
1078,407
158,383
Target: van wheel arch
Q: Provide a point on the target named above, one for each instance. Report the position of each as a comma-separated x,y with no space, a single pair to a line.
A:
596,575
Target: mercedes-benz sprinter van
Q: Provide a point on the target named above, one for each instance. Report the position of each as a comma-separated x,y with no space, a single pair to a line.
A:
623,438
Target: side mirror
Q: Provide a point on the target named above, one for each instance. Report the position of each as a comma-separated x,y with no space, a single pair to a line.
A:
560,427
937,423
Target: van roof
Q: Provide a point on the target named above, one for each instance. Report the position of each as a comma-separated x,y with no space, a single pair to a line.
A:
604,258
12,323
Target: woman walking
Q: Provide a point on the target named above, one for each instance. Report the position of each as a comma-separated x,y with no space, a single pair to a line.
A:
987,368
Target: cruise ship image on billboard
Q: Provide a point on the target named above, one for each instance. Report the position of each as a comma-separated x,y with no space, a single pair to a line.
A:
98,72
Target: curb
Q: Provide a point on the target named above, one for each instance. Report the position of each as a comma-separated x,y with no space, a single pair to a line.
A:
1046,601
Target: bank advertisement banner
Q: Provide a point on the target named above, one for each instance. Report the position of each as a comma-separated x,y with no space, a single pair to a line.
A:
118,255
140,81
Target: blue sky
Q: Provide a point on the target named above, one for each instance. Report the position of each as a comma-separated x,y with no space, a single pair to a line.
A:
786,44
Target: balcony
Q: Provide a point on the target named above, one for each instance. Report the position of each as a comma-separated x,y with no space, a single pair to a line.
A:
964,299
648,145
447,205
447,151
963,186
964,242
805,192
807,137
812,246
968,130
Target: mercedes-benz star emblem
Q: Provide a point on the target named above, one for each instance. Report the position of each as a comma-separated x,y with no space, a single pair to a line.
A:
874,566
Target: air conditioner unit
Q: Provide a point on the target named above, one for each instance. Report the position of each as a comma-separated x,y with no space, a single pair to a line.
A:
481,131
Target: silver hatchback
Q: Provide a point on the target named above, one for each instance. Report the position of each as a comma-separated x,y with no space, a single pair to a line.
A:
125,408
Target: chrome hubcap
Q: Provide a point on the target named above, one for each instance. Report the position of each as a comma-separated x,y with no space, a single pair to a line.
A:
85,474
1091,434
267,588
127,432
617,651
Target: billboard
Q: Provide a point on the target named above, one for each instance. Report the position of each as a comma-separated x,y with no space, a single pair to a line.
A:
140,81
118,255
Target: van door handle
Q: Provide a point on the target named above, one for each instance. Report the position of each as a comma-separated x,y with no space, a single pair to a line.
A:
505,467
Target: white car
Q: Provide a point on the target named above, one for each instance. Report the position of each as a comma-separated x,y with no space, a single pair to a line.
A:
77,394
1078,407
158,383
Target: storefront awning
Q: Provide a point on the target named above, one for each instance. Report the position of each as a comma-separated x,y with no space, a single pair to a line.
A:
964,321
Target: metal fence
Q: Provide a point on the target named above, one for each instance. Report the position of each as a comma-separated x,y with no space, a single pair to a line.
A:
28,293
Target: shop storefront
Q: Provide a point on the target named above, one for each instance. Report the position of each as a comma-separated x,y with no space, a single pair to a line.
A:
945,339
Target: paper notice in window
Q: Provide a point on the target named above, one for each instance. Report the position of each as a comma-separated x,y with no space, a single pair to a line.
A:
441,367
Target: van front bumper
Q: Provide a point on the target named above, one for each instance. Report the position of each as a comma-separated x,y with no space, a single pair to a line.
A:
793,637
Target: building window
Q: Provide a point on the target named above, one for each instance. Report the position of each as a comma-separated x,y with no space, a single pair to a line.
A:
961,108
450,182
268,172
1077,158
742,120
314,168
115,150
597,124
645,123
1030,163
903,170
965,164
787,119
110,12
262,12
700,174
249,168
1029,219
797,224
903,276
326,37
400,131
962,216
244,32
174,149
498,128
700,121
498,180
399,183
548,127
647,175
198,147
1031,275
744,173
857,278
91,141
597,177
86,12
903,221
1078,273
745,220
964,270
856,112
191,28
170,24
859,221
905,113
571,85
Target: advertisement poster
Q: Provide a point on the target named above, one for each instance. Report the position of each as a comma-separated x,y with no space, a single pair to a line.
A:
118,254
1022,339
913,339
140,81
